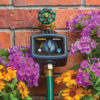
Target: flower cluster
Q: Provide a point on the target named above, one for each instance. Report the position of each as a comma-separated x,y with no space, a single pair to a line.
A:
74,91
20,59
87,74
84,45
9,86
18,71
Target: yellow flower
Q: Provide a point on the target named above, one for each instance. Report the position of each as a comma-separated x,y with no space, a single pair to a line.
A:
9,74
96,97
87,92
2,84
60,79
73,93
1,67
1,75
23,89
70,78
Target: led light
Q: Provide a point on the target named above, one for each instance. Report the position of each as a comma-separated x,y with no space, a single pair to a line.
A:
39,50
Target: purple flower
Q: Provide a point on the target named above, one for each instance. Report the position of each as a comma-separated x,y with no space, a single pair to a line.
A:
85,22
86,32
67,24
93,44
98,64
85,39
84,64
85,48
21,60
97,73
74,48
93,68
83,79
98,34
87,51
95,59
2,60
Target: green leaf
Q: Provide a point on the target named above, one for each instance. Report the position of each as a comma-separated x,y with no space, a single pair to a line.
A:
99,97
6,59
6,97
98,93
3,53
13,84
1,94
87,98
97,82
97,88
28,98
12,97
75,67
93,91
60,94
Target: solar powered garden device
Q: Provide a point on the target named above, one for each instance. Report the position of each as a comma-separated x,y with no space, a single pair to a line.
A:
49,48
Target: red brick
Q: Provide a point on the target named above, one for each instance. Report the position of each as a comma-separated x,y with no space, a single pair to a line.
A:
4,18
39,98
22,19
22,38
4,2
93,2
28,18
71,61
18,19
5,40
44,98
42,88
58,98
45,2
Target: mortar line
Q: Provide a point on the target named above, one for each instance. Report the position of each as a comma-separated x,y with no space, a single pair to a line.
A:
5,30
53,7
31,29
11,2
12,38
83,3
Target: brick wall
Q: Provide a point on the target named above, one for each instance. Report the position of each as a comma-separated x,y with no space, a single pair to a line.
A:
18,21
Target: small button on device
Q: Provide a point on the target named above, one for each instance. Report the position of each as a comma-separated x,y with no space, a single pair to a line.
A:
39,50
59,50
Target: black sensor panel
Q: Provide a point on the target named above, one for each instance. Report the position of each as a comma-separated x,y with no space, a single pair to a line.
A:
49,45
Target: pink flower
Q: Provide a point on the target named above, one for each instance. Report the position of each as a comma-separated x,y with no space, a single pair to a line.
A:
93,68
87,51
85,39
98,34
93,44
97,73
75,47
84,64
